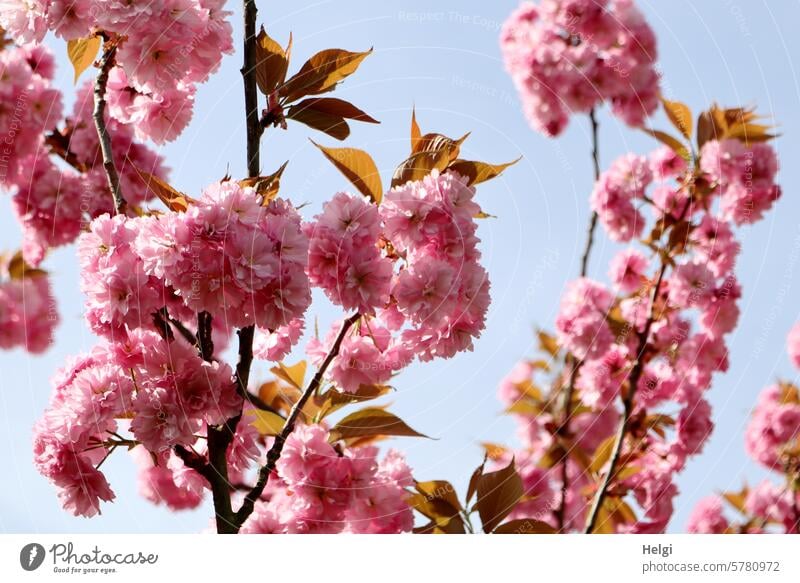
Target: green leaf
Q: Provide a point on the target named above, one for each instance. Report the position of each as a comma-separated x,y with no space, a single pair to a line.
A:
498,493
81,53
358,167
371,422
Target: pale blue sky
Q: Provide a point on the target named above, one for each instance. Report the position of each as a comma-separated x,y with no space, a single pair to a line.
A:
446,61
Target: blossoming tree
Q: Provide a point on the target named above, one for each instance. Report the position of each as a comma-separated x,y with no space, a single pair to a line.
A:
173,281
601,445
167,287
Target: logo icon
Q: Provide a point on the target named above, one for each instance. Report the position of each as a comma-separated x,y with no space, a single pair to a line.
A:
31,556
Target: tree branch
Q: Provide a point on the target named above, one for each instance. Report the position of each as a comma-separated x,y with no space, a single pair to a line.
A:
593,219
220,438
274,453
106,63
627,401
251,90
571,362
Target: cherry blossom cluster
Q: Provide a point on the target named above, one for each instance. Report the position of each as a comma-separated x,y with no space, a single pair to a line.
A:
410,268
53,204
55,177
652,340
772,439
28,314
165,49
568,56
162,390
29,107
330,488
412,265
229,256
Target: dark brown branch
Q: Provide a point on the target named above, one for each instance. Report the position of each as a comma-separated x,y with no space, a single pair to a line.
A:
593,219
59,145
204,342
251,90
106,64
220,438
563,432
187,334
628,399
571,362
274,453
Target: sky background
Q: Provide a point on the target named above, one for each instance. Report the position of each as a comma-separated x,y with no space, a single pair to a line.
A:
447,62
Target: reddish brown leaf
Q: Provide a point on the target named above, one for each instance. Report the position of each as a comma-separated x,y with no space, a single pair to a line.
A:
498,493
358,167
272,61
321,73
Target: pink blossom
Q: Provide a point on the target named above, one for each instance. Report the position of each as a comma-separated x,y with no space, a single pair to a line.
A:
157,482
745,177
691,285
570,56
581,321
707,517
601,380
28,313
276,345
666,164
771,503
229,256
774,426
793,345
714,242
693,427
627,270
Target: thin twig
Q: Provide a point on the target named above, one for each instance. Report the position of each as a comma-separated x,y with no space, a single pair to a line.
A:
628,399
274,453
593,219
571,362
184,332
106,63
